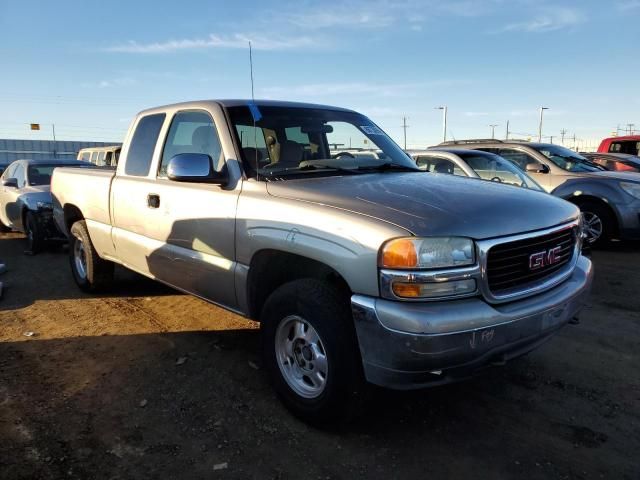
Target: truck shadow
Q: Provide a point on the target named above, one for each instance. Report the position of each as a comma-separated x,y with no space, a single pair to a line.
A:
47,276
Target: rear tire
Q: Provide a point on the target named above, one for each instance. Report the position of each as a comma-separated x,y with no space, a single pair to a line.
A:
311,352
34,233
599,224
90,272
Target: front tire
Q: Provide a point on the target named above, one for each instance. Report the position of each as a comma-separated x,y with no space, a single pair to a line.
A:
33,231
599,224
311,352
90,272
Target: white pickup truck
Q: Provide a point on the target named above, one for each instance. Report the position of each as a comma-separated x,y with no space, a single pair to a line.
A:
359,268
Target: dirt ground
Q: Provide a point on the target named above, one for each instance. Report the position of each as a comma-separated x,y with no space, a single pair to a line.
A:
148,383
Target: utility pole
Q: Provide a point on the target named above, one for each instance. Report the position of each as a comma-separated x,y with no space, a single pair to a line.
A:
563,132
542,109
551,139
493,131
507,135
444,121
574,142
631,125
404,128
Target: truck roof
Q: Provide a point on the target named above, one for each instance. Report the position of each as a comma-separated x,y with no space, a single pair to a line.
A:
243,102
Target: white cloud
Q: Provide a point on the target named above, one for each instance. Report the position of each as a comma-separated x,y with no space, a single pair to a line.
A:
340,17
547,20
238,40
355,89
110,83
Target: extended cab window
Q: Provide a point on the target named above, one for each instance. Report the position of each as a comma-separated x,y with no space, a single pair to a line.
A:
142,145
192,132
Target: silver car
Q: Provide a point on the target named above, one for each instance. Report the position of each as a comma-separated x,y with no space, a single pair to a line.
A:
474,164
25,200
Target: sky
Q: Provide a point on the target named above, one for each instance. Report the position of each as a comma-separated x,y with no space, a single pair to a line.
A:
89,66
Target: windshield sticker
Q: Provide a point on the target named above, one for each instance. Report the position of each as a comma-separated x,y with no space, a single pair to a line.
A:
255,111
371,130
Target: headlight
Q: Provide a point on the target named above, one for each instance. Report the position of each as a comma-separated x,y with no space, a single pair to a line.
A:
44,205
632,189
434,252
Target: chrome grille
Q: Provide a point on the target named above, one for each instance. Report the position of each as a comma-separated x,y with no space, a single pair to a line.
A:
508,264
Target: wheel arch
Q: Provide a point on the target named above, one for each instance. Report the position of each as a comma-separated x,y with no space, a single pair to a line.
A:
271,268
582,200
72,214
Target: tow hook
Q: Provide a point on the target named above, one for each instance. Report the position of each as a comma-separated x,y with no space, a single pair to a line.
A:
575,321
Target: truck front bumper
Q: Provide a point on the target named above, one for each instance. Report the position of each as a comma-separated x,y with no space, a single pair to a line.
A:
406,345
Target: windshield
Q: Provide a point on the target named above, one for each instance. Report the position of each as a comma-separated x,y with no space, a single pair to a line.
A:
497,169
41,174
566,159
299,141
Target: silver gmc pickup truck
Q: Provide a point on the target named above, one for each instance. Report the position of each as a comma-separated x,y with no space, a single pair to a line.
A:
357,268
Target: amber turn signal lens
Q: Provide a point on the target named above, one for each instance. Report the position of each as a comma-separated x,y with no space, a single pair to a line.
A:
407,290
399,253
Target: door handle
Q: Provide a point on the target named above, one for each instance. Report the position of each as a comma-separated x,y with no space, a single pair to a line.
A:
153,200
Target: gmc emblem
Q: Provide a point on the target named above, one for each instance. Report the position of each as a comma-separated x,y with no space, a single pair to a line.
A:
542,259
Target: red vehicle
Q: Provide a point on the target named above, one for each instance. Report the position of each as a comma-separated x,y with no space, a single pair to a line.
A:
628,144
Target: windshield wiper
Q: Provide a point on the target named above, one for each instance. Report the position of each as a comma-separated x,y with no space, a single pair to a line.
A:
383,167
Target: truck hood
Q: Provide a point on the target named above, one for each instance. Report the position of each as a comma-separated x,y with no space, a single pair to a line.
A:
430,204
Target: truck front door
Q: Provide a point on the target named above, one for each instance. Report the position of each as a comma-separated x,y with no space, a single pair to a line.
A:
194,223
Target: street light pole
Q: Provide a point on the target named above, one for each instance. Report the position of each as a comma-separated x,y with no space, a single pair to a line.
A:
444,121
542,109
493,131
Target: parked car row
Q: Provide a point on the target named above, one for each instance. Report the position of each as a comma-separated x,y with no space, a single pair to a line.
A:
609,200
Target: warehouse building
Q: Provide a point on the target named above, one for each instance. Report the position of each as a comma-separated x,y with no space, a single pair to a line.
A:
11,149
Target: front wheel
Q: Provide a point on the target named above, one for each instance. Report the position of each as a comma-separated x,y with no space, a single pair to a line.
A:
33,231
311,352
90,272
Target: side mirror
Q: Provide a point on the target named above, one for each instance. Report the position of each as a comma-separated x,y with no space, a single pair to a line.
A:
536,168
195,167
10,182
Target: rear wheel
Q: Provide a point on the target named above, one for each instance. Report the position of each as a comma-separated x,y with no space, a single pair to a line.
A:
311,352
90,272
34,233
599,224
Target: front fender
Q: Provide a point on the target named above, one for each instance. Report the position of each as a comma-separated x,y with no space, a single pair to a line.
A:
608,191
345,241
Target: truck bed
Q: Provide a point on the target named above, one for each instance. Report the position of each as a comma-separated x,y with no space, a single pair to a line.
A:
85,188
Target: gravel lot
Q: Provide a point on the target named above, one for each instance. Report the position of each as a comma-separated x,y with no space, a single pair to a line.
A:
148,383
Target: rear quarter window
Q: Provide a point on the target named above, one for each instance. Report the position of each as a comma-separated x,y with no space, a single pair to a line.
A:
143,144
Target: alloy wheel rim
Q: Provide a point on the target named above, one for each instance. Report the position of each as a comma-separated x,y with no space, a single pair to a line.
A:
79,258
301,356
592,226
